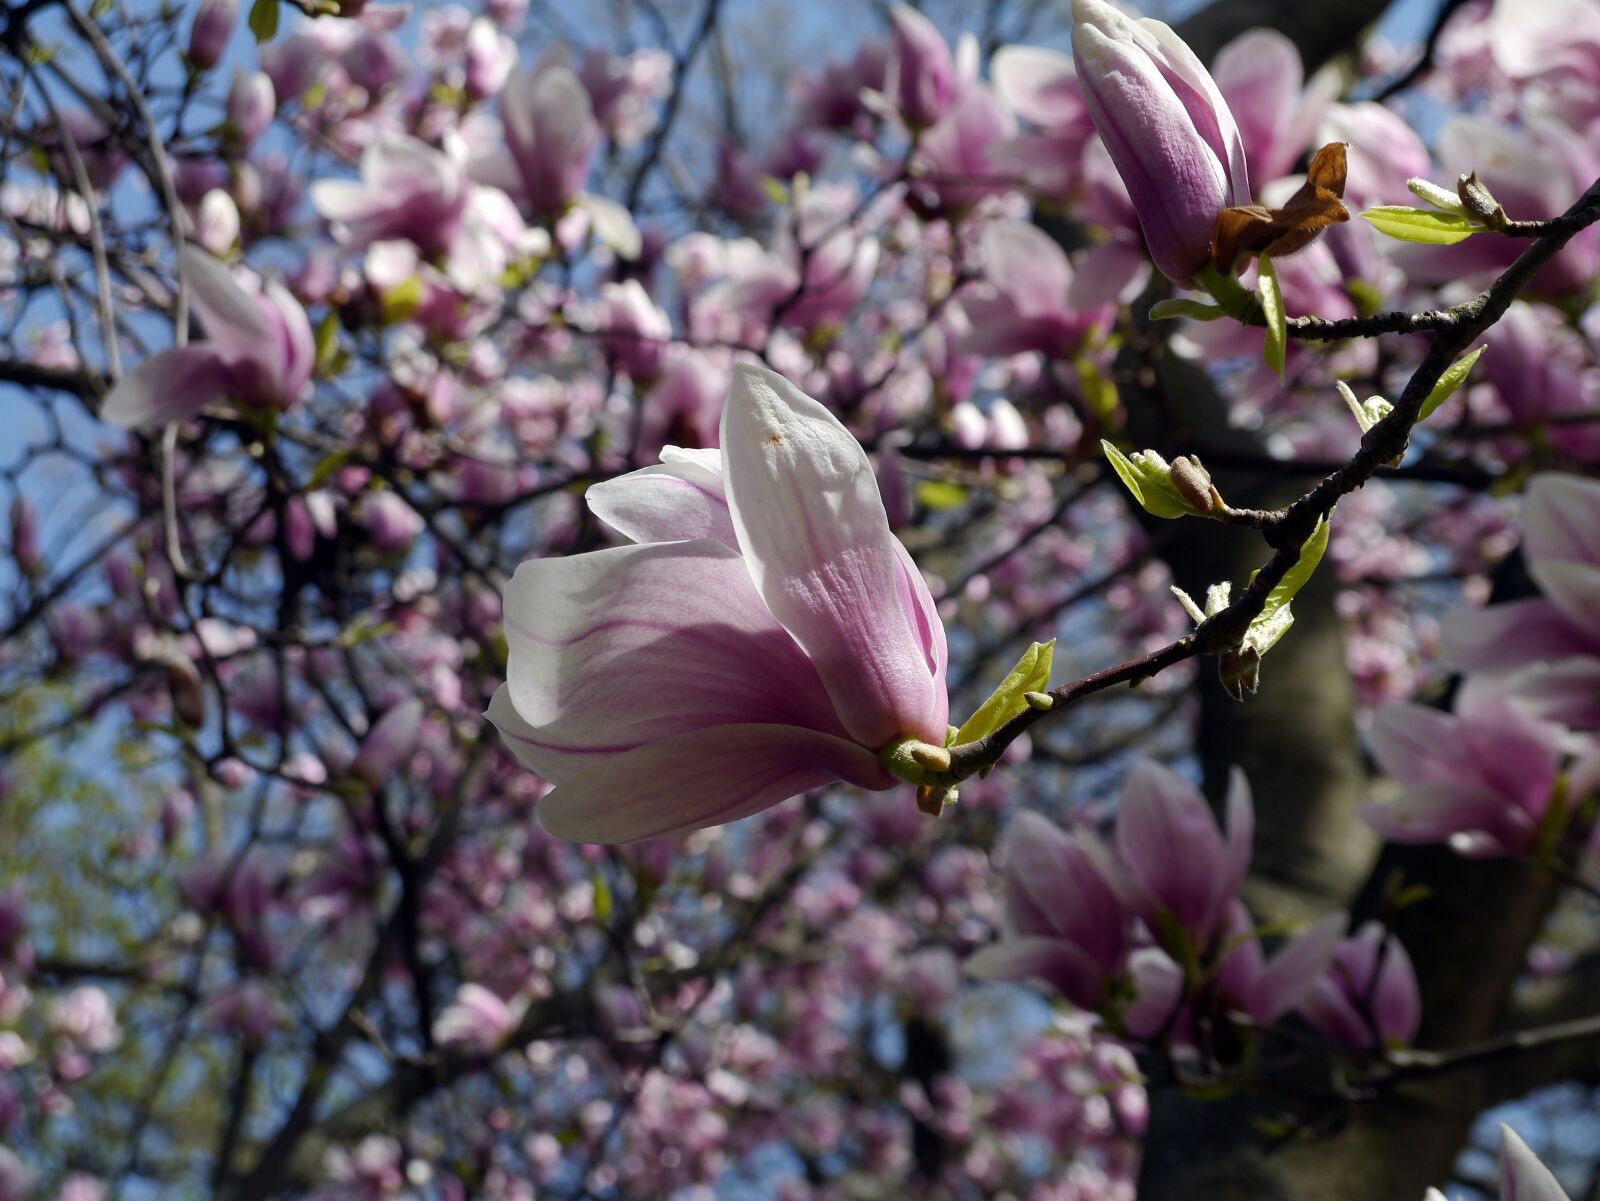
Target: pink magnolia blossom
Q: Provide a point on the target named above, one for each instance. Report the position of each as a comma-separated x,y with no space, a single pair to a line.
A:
922,82
1065,923
1167,127
477,1019
407,190
213,26
1261,77
551,133
1028,304
1551,642
1522,1176
258,350
1480,778
1181,871
765,634
1246,981
389,743
623,88
1040,86
1369,990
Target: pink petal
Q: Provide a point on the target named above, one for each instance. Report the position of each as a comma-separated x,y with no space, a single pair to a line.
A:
1511,635
173,385
1027,265
346,200
817,543
1561,520
1039,84
670,502
701,778
618,648
1049,960
521,739
1436,810
1295,969
1414,743
234,323
1167,837
1522,1176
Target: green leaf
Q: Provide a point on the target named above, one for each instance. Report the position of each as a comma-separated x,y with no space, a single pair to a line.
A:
1455,375
1180,306
941,494
1149,478
603,906
1031,674
264,20
1421,225
1271,295
1274,620
327,343
1230,294
326,466
402,300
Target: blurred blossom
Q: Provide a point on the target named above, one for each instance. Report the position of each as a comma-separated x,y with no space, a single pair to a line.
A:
213,26
258,349
1368,996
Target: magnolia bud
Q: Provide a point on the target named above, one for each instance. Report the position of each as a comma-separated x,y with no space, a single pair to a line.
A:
216,226
213,26
387,745
1480,202
1193,483
251,103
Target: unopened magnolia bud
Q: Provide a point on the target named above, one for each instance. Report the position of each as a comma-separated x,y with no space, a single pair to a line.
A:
1480,202
251,104
1239,671
933,758
1041,701
1193,483
388,744
213,26
216,226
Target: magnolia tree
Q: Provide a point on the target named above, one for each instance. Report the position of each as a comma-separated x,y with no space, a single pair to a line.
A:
695,600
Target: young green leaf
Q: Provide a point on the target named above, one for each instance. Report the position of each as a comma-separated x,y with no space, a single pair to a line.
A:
1454,376
1031,674
264,20
1274,620
1271,295
1421,225
1182,306
1149,477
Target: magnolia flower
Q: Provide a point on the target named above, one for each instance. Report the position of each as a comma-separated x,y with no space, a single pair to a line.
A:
477,1020
551,133
259,350
1246,980
407,190
1064,921
766,634
1480,778
1551,642
1181,871
1522,1176
213,26
1029,303
1261,77
1369,992
922,80
1167,128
